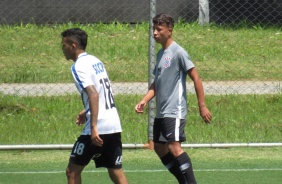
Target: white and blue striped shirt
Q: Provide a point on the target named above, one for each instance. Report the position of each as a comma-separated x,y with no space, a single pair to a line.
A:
88,70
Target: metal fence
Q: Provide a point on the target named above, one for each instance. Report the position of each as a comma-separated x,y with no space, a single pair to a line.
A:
235,12
267,12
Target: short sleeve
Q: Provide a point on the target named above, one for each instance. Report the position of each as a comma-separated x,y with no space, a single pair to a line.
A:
185,62
82,75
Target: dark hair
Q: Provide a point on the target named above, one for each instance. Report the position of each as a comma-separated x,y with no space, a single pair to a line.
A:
164,18
76,35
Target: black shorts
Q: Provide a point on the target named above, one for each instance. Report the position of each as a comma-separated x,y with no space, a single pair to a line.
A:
109,155
169,130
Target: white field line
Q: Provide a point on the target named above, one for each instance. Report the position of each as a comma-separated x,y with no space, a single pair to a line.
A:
145,171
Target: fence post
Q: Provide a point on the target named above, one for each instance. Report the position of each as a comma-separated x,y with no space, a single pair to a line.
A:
204,15
151,65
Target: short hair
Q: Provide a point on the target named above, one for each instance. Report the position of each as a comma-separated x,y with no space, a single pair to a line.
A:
76,35
164,18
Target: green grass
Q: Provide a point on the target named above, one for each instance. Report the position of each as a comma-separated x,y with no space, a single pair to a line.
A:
51,120
221,166
32,53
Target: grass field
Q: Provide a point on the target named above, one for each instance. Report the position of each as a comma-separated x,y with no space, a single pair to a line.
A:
51,120
212,166
32,53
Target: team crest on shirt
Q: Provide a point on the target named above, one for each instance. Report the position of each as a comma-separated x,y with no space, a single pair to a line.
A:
166,62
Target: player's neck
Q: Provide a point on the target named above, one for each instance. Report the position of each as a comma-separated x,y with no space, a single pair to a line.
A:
77,53
167,43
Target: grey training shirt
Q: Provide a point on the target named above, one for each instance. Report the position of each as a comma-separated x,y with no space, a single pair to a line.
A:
170,82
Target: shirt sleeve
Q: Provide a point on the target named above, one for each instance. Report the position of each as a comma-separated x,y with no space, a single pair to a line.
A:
159,55
185,62
81,75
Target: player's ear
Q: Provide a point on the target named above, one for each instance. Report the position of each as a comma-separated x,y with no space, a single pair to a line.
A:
74,46
170,30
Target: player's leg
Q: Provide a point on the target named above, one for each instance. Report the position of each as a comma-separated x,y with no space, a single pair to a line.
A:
186,167
174,147
111,157
73,173
160,145
169,161
81,154
161,149
117,176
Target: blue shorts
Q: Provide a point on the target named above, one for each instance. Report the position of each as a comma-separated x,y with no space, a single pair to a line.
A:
109,155
169,130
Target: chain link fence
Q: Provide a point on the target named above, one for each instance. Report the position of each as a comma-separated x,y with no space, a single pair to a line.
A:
251,12
235,12
267,12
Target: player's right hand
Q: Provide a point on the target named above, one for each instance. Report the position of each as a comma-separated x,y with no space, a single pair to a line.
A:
139,108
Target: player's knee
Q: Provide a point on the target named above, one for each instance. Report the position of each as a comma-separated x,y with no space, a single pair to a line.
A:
72,173
117,176
160,149
175,149
69,174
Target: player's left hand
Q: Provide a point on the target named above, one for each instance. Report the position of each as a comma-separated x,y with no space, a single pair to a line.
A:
205,114
95,138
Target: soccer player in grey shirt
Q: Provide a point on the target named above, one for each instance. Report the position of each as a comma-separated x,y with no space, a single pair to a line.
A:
169,88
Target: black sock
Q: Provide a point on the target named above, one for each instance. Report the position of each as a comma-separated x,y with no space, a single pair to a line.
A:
186,168
172,165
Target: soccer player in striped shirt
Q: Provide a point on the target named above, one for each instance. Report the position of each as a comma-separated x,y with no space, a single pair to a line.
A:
100,139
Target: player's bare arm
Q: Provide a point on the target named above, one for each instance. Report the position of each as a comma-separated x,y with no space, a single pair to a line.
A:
94,109
139,108
204,111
